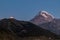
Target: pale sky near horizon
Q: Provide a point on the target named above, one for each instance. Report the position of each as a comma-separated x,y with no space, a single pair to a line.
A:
27,9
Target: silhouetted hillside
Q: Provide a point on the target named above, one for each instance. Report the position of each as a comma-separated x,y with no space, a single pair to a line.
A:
21,29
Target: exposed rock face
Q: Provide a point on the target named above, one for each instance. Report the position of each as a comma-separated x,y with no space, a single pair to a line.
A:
23,29
47,21
42,17
53,26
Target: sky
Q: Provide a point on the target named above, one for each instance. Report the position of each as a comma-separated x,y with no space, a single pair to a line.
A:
27,9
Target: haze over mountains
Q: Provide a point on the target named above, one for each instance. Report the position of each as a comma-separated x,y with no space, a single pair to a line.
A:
47,21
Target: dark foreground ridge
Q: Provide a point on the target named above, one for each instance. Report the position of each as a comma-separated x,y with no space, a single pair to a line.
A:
21,29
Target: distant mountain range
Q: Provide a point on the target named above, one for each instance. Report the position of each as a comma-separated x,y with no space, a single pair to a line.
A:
46,21
43,25
23,28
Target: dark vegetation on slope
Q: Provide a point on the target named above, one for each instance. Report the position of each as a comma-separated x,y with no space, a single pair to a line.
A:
18,29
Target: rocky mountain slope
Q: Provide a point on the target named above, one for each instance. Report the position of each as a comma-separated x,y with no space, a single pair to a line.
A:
47,21
42,17
53,26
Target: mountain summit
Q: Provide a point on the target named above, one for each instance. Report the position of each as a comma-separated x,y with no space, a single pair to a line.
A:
46,21
42,17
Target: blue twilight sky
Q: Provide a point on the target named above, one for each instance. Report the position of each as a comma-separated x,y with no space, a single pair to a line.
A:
27,9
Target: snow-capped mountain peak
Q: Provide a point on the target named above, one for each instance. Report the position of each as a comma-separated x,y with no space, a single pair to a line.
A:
11,17
42,17
45,13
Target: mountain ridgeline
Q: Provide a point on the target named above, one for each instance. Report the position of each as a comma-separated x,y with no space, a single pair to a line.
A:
42,17
42,27
46,21
23,29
